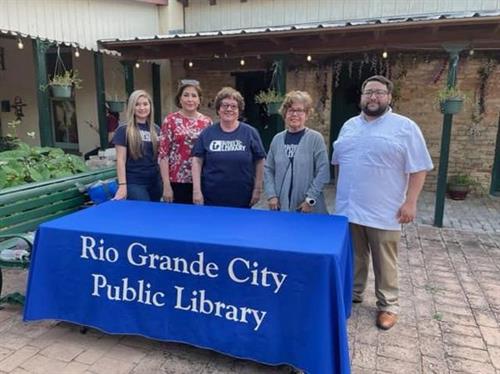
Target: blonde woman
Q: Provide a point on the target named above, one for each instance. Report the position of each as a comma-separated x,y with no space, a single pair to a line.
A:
136,144
297,168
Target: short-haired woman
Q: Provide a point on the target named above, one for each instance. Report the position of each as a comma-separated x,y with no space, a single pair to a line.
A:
296,168
179,132
136,144
228,158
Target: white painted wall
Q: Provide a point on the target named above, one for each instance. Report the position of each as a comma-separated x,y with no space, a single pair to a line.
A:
233,14
79,21
18,79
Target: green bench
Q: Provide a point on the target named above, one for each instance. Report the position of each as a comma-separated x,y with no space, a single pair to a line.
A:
24,207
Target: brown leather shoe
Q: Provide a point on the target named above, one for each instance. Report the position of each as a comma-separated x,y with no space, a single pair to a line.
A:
385,320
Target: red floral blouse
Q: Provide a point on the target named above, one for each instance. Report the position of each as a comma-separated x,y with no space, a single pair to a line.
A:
178,135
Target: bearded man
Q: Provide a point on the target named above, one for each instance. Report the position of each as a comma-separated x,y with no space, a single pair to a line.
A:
382,161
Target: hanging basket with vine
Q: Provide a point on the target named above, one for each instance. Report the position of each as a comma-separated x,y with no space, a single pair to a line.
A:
271,99
63,81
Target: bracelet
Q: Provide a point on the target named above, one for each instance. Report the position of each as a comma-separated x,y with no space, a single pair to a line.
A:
122,184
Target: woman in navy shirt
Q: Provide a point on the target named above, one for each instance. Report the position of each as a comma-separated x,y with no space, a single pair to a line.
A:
136,144
228,158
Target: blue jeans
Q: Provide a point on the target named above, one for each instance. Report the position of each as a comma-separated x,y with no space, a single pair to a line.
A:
146,192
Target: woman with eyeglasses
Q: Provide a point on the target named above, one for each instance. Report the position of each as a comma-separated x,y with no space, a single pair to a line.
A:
228,158
296,168
179,133
136,145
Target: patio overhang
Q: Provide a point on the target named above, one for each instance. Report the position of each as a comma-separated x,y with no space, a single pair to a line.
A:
478,31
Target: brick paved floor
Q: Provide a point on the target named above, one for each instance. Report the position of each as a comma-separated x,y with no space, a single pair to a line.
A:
449,320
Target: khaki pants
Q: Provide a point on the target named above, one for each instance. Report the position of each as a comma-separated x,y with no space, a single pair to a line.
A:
383,247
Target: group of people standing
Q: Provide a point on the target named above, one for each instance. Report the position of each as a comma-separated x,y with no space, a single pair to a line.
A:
380,158
192,160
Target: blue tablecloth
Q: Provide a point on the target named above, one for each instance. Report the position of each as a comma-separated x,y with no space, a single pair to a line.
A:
273,287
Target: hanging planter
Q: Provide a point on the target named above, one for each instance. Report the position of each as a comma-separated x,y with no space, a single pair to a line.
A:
273,108
61,91
63,81
450,100
271,99
451,106
116,106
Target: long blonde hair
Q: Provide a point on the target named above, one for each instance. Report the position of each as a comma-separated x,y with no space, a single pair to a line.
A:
134,140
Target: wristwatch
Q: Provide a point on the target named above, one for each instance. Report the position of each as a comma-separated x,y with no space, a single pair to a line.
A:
310,201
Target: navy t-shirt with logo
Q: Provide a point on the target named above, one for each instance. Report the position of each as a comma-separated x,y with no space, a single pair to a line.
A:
144,170
227,177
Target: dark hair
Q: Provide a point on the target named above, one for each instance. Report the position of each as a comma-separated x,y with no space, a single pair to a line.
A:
380,79
231,93
181,89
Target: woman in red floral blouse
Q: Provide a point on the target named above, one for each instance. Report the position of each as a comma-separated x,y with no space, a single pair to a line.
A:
179,132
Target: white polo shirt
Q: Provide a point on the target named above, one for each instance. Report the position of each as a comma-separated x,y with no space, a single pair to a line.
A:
375,160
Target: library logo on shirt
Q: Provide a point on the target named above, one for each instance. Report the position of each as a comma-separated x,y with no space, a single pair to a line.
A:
227,146
145,135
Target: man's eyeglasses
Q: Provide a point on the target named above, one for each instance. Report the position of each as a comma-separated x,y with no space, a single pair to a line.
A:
377,93
229,106
295,111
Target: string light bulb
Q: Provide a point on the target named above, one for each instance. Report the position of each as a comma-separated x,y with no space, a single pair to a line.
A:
385,54
137,65
242,62
190,64
77,53
20,44
471,52
309,58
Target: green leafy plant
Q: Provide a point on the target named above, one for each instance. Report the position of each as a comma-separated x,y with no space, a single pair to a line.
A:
462,180
268,96
67,78
450,93
26,164
8,142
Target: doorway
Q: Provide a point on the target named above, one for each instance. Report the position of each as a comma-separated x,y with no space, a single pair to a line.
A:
345,97
250,84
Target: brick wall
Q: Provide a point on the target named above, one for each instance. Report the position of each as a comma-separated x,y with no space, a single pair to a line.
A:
472,144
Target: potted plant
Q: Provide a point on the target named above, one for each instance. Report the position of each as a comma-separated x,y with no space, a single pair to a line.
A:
116,104
62,84
271,99
115,97
451,100
459,186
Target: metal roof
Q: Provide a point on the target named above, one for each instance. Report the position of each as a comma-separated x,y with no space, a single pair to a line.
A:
17,34
313,26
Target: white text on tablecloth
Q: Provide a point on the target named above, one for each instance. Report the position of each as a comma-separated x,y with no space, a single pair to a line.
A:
239,270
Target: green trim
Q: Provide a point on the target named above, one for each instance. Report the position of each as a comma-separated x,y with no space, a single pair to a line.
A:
279,85
445,143
101,99
128,73
155,74
41,80
495,174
